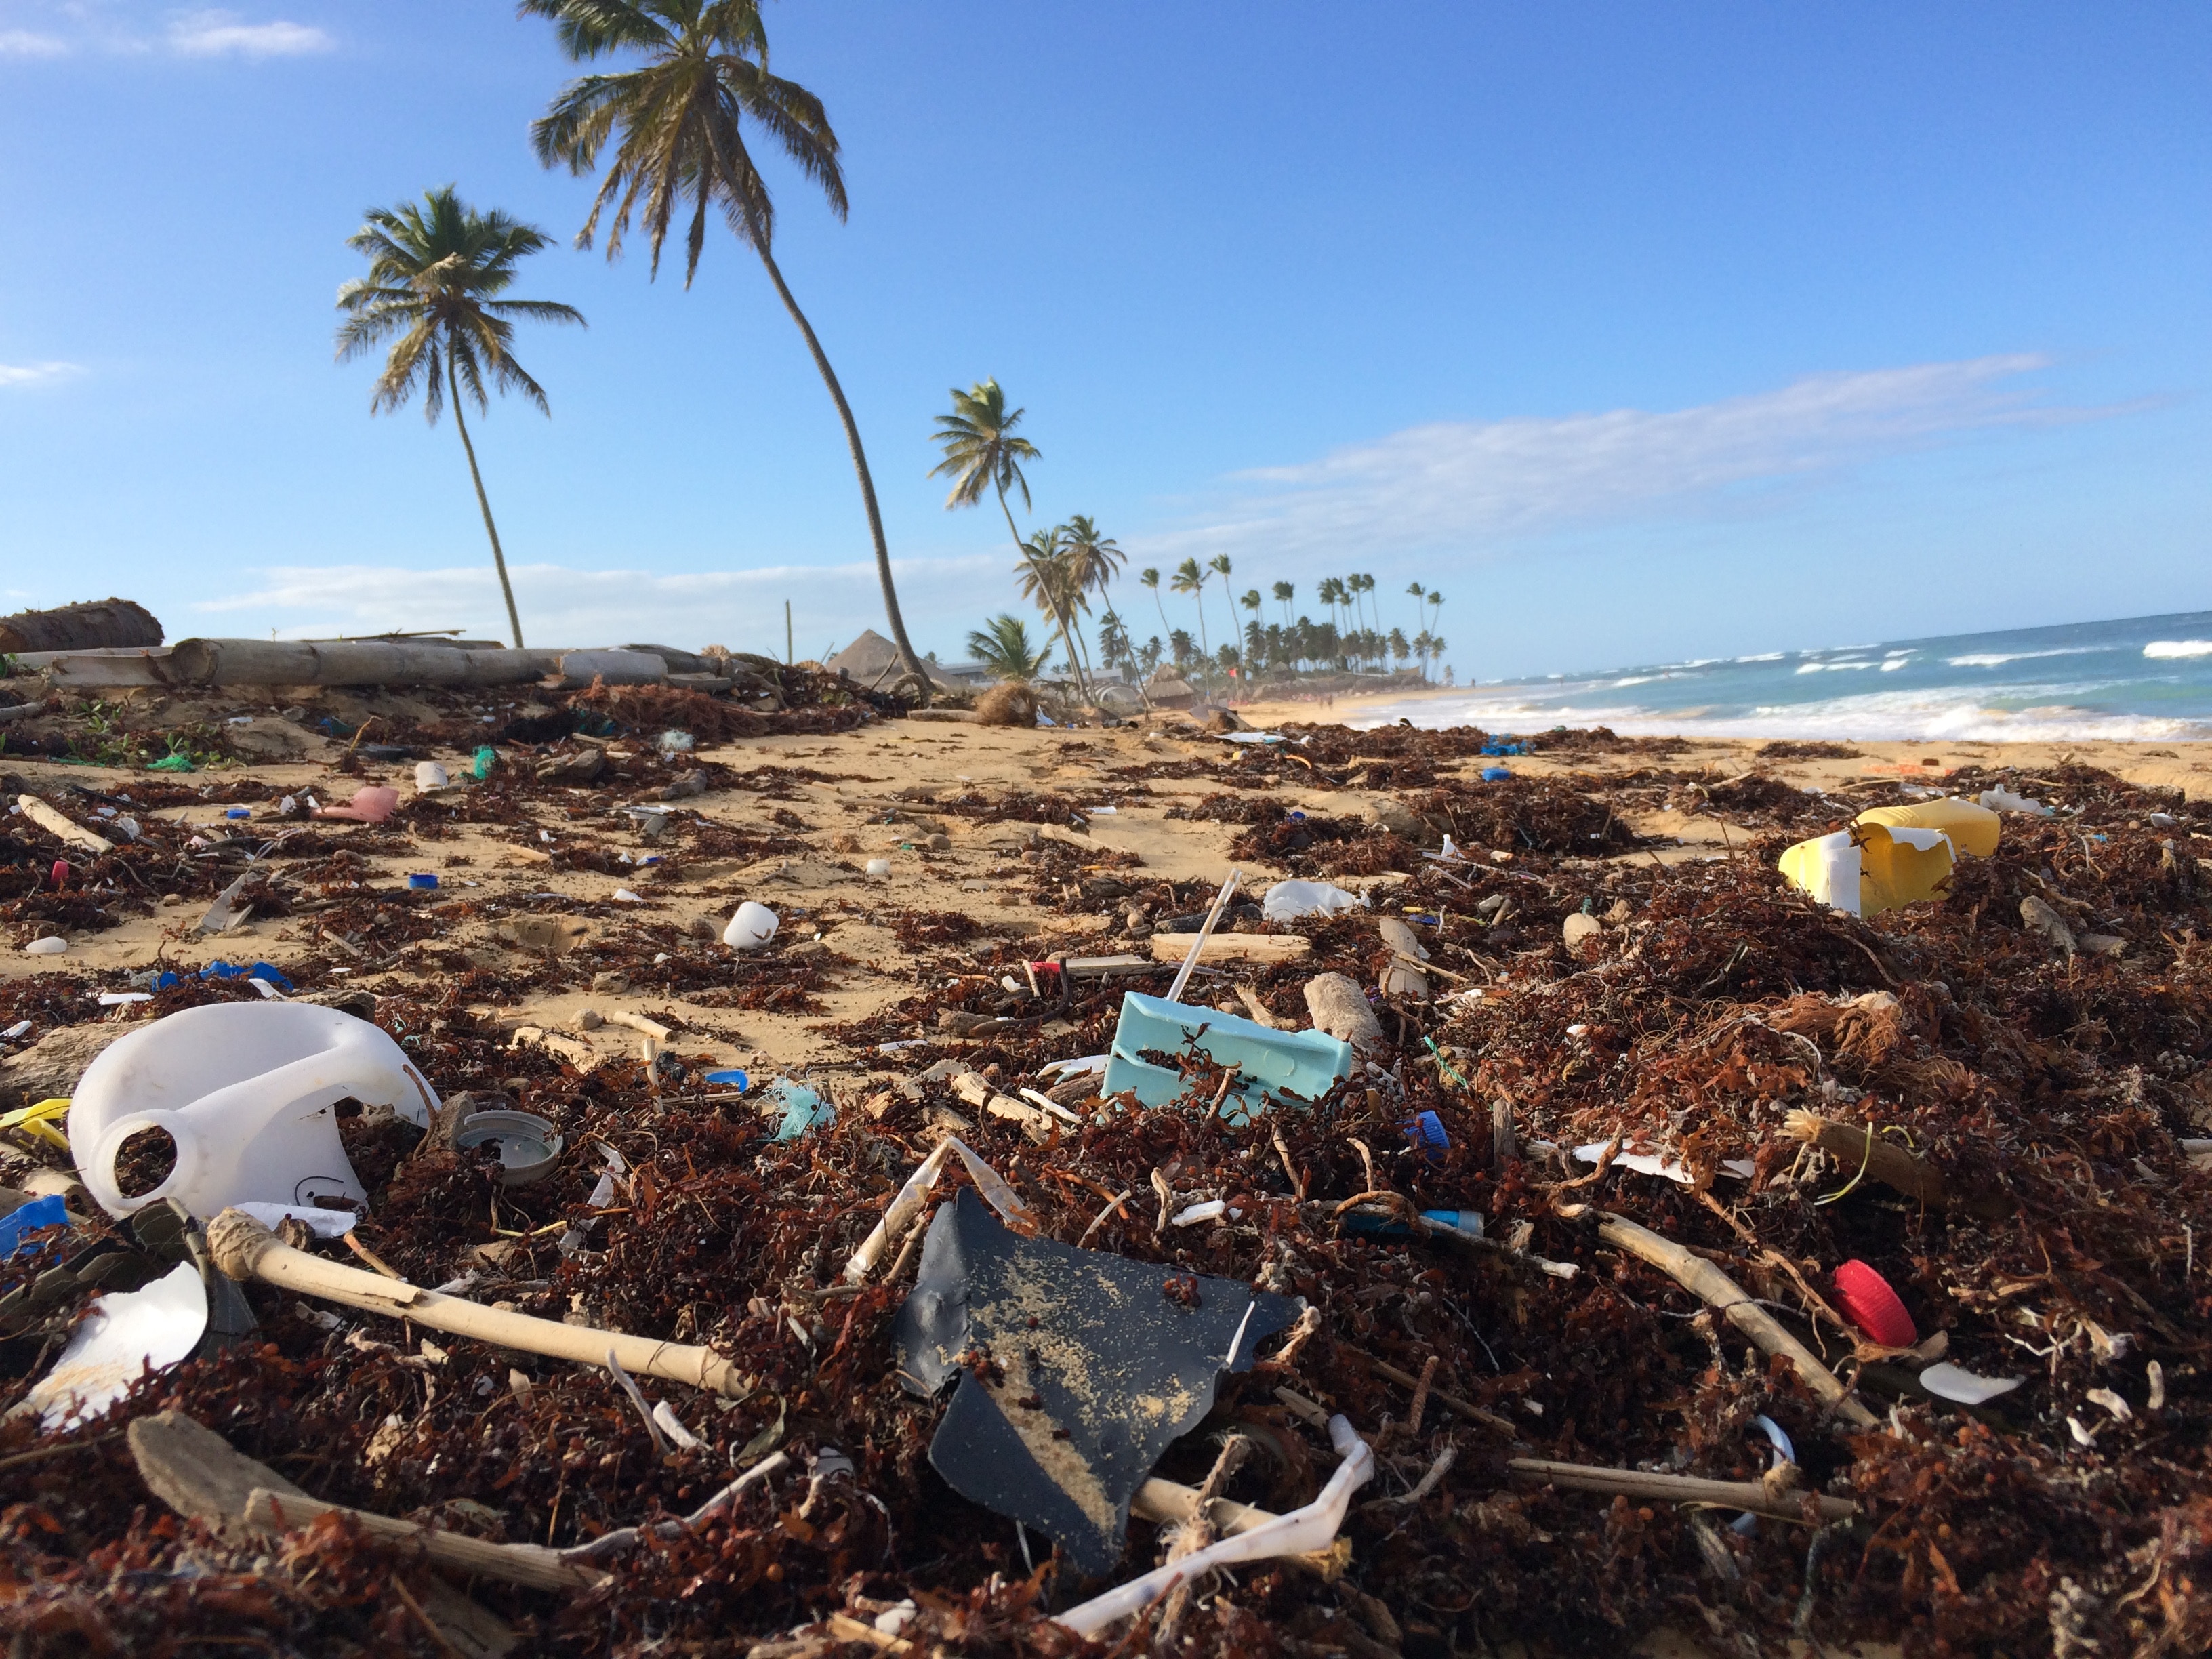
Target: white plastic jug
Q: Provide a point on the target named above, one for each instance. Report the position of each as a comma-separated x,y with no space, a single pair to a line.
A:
248,1091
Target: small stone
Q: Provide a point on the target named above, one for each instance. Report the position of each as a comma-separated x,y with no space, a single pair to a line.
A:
589,1020
2040,917
611,981
1580,926
940,843
173,898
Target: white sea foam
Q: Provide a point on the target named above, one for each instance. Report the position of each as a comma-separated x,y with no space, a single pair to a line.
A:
2178,649
1998,659
1822,667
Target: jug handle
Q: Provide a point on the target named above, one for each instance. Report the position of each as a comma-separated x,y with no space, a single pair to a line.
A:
101,1175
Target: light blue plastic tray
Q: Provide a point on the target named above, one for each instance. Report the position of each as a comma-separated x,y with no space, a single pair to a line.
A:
1274,1065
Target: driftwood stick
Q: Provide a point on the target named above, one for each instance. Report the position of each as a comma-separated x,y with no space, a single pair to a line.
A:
1699,1277
517,1563
1163,1501
1472,1412
1856,1145
243,1248
1752,1495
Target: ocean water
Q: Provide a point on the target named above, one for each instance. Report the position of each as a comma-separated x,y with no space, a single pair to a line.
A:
2142,679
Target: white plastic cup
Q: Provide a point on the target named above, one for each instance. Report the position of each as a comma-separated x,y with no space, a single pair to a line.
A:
752,927
429,775
879,867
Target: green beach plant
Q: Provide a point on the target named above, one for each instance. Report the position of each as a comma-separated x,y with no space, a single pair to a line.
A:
436,273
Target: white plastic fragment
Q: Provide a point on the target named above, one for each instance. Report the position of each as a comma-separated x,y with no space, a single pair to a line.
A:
672,1426
1212,1210
1302,1532
752,925
1087,1064
2004,801
49,947
1287,901
1949,1382
119,1340
1668,1169
624,896
324,1223
879,867
906,1204
429,775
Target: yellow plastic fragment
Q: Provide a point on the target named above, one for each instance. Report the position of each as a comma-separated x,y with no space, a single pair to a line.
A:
1971,827
39,1120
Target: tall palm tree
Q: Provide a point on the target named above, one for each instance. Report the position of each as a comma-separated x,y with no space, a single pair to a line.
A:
1330,592
1046,581
1218,564
1002,645
1420,595
435,273
981,450
1150,580
1284,593
677,125
1095,559
1191,580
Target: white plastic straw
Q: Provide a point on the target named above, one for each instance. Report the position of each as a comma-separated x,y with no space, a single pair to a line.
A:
1205,933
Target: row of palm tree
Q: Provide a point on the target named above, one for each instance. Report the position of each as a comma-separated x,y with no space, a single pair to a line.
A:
671,131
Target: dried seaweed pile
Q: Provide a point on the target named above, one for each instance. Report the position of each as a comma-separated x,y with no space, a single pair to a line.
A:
2031,1203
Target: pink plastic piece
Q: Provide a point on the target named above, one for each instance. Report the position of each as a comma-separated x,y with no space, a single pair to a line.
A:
372,803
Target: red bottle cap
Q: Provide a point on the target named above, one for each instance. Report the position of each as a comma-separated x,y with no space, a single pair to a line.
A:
1873,1306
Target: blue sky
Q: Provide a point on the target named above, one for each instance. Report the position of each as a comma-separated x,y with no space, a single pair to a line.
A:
1642,333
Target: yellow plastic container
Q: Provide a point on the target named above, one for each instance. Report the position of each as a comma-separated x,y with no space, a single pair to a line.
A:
1973,828
1891,855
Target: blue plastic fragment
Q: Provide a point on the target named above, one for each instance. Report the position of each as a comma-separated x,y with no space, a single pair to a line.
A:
734,1079
47,1211
1506,745
1294,1065
423,881
268,971
1495,774
237,812
1427,1130
1467,1222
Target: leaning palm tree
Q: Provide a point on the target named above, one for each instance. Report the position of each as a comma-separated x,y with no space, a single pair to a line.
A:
1095,559
1150,580
677,122
1002,645
981,450
1220,565
1284,593
1191,580
1046,581
1420,595
435,272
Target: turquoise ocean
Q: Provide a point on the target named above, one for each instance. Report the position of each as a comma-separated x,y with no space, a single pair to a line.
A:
2142,679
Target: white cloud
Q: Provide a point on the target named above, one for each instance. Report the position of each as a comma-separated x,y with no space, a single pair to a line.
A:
741,609
31,373
28,43
1454,485
216,33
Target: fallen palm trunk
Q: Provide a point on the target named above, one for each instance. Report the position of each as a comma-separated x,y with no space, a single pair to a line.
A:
1756,1496
1696,1274
530,1564
99,624
243,1248
345,662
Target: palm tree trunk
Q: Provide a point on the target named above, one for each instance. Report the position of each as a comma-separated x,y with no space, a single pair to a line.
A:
912,663
1044,586
498,558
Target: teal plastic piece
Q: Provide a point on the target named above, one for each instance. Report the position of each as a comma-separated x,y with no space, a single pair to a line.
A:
804,1111
1274,1066
486,758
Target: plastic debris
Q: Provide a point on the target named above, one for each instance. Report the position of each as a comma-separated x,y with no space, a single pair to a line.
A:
24,1218
1948,1381
1288,901
52,945
429,775
372,803
1338,1009
2004,801
751,927
324,1223
1867,1298
422,882
246,1094
1308,1531
529,1147
1496,774
119,1340
1098,1365
879,866
803,1111
1270,1065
